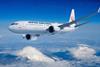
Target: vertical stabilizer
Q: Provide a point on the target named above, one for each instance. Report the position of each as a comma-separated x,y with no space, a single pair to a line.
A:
72,16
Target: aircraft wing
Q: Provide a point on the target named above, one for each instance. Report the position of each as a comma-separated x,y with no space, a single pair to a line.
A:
81,24
82,18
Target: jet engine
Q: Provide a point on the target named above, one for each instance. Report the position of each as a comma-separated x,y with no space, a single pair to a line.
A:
53,29
28,36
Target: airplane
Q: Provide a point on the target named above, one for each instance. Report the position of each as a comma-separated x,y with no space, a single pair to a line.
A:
32,29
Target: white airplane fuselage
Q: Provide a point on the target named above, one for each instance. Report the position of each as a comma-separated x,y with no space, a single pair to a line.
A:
25,27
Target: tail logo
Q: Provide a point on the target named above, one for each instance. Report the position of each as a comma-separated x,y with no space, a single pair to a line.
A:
72,16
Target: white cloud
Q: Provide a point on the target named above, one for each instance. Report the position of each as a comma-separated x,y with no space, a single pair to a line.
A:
83,52
38,59
86,56
33,54
40,64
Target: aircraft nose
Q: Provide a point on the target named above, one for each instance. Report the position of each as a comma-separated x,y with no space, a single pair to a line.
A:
11,28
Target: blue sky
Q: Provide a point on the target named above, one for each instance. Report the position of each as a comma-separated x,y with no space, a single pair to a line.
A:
46,10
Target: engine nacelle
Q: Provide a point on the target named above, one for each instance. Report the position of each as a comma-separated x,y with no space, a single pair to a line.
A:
28,36
53,29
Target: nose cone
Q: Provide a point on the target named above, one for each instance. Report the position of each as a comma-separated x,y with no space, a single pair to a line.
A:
11,28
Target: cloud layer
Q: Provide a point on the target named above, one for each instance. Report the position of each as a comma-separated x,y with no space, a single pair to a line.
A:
33,54
82,54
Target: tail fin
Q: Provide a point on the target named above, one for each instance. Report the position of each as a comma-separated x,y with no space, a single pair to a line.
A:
72,19
72,16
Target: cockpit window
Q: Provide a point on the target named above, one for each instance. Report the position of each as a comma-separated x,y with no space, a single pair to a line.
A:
14,24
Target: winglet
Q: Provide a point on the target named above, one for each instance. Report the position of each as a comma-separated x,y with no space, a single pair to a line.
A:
99,10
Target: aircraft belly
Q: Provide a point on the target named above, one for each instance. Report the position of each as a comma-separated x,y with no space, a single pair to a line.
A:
31,31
